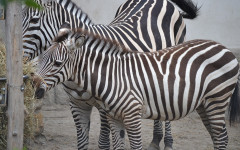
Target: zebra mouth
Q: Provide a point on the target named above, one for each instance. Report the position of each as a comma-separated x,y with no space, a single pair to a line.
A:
39,93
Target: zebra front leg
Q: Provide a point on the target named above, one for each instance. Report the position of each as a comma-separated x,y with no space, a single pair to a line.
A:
118,133
104,141
81,115
132,123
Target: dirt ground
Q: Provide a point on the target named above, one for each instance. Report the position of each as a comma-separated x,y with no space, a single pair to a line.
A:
188,133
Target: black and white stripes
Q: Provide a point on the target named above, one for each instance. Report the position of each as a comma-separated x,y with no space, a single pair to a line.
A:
139,25
166,85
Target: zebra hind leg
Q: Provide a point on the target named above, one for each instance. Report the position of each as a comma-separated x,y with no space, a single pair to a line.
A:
157,135
215,113
201,112
219,133
168,139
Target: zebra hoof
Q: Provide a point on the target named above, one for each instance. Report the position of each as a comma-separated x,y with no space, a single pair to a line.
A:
167,148
153,146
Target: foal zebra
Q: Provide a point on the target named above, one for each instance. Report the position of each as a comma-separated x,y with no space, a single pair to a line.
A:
134,25
197,75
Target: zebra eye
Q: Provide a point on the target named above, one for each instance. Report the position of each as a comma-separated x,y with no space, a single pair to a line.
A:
57,63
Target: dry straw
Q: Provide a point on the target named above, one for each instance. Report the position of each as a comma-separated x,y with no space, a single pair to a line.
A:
31,119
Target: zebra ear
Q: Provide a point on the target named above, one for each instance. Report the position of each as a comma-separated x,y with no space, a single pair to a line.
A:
74,43
64,29
63,32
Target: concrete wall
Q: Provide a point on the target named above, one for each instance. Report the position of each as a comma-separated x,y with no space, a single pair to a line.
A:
218,20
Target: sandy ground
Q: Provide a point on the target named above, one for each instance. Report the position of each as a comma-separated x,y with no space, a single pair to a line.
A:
188,133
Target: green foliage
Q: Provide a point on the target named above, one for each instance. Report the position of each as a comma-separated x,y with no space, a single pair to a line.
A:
29,3
32,3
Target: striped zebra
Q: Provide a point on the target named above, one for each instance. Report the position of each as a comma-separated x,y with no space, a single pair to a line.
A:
156,20
197,75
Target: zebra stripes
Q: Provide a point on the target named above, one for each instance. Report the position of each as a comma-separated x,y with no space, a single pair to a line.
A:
166,85
139,25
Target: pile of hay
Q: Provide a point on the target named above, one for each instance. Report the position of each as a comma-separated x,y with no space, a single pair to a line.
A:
33,124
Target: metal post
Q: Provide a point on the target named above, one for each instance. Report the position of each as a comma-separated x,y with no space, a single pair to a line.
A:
14,75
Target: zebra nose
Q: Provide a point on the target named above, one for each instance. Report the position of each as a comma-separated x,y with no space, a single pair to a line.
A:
39,93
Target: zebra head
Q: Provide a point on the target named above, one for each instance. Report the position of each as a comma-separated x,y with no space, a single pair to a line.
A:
39,28
56,65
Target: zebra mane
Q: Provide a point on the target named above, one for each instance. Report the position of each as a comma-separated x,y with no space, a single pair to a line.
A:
93,35
66,4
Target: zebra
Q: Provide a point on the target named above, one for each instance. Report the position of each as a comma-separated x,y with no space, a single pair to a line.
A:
199,75
37,36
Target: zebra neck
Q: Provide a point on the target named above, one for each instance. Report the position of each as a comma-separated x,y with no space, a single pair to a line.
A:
74,15
98,65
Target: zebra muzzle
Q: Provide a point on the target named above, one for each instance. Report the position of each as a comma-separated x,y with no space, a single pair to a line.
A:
39,93
39,84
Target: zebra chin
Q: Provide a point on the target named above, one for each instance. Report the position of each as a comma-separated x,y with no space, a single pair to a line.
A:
39,93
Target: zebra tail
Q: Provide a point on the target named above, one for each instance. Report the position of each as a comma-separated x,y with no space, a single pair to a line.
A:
190,10
234,106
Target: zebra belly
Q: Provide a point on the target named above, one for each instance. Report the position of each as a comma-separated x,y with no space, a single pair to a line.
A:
75,91
164,110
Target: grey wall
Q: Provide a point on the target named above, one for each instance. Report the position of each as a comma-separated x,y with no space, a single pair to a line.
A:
100,11
218,20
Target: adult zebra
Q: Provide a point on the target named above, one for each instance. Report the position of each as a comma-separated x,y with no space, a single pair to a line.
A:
197,75
131,23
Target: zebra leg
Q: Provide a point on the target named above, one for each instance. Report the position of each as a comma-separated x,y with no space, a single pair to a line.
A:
132,123
215,114
157,135
118,133
104,141
219,132
168,140
81,115
201,111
